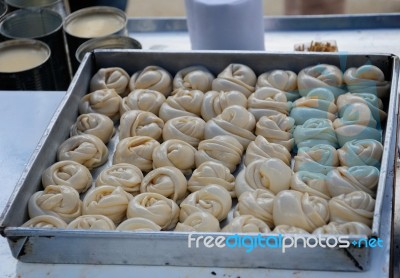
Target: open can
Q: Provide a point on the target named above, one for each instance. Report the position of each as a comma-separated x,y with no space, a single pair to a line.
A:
92,22
25,65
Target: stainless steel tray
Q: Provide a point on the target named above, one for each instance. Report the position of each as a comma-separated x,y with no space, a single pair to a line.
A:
170,248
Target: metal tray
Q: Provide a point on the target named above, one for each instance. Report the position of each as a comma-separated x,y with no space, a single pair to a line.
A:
170,248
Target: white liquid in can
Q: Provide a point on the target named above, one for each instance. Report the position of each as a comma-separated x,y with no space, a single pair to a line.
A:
95,25
21,58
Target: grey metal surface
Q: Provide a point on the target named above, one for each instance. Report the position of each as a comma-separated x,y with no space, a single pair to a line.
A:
281,23
36,245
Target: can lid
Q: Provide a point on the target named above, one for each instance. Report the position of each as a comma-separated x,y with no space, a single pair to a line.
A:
22,55
109,42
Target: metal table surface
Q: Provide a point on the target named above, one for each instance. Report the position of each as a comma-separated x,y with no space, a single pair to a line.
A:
25,115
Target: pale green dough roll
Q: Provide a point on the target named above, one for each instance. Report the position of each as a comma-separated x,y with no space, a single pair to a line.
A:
374,104
357,122
317,159
314,132
367,79
321,76
319,103
361,152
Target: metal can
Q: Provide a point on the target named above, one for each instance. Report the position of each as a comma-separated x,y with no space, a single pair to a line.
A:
55,5
44,25
109,42
25,65
92,22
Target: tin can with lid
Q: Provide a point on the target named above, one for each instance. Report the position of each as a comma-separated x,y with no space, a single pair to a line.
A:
25,65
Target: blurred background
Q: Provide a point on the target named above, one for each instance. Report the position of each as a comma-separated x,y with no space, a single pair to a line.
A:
150,8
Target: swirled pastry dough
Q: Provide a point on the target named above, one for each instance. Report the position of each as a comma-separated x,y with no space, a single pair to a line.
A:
45,221
182,103
277,129
356,206
186,128
259,203
105,101
315,184
361,152
137,151
367,79
269,173
315,131
261,148
152,78
193,78
300,210
356,114
107,200
223,149
356,122
167,181
215,102
284,80
287,229
111,78
125,175
211,172
175,153
234,121
236,77
267,102
349,228
138,224
374,104
92,222
319,103
343,180
322,75
69,173
213,199
95,124
140,123
246,224
144,100
85,149
155,207
317,159
200,221
57,200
